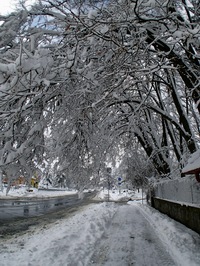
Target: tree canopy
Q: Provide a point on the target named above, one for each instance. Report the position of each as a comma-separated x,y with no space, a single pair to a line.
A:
80,81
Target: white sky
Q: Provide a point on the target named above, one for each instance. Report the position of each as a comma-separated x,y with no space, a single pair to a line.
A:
7,6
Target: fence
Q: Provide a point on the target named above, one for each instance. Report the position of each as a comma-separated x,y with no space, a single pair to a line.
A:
186,190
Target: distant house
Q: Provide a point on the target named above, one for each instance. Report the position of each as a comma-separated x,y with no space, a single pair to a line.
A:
21,180
193,165
16,182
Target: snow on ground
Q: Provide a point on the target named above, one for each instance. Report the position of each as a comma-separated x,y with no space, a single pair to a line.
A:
106,233
23,191
104,194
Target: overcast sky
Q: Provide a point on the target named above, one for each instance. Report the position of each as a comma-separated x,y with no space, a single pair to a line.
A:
7,6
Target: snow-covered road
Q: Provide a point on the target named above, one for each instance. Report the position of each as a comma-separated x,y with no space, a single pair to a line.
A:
105,234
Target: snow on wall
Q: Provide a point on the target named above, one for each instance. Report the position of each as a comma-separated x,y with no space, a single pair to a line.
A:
185,190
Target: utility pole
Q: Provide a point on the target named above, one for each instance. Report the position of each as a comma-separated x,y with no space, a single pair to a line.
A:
1,180
109,171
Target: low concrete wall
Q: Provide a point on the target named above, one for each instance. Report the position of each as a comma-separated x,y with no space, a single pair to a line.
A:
187,215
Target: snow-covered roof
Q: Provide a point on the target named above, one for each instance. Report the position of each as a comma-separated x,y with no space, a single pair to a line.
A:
193,164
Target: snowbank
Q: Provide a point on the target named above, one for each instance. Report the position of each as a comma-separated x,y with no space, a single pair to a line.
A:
33,192
181,242
115,195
